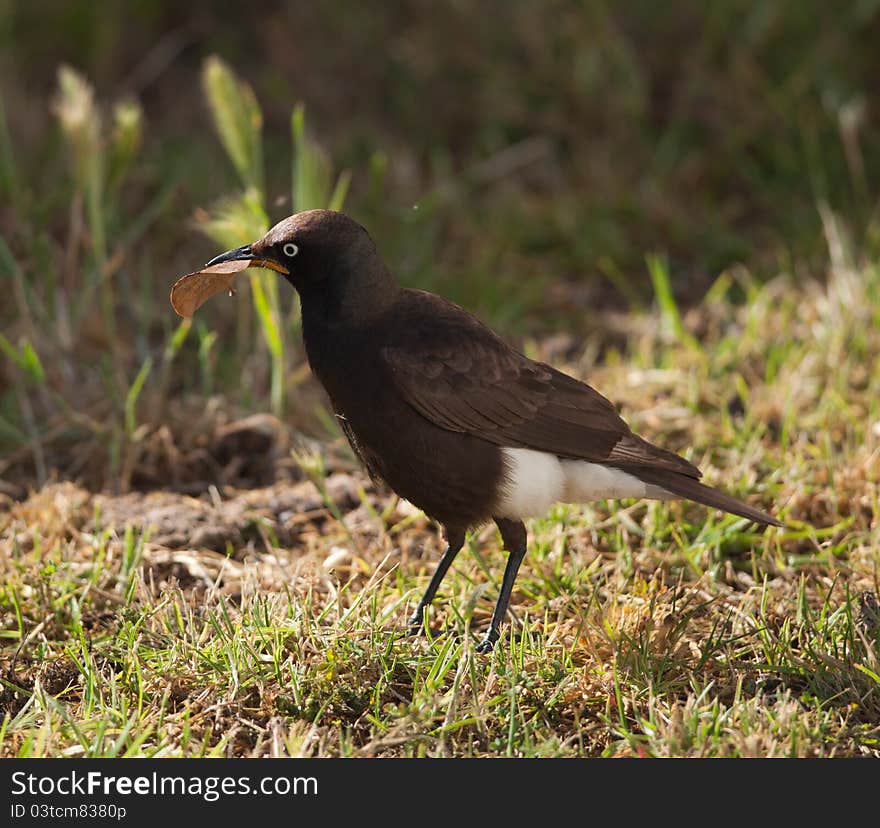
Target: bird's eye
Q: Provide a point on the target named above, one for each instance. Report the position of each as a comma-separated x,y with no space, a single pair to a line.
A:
290,250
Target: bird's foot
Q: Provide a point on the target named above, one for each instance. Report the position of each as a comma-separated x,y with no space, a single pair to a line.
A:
416,623
488,642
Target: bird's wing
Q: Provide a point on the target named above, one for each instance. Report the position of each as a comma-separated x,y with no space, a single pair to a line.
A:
461,376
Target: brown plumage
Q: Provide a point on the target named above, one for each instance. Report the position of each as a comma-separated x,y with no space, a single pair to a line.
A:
445,412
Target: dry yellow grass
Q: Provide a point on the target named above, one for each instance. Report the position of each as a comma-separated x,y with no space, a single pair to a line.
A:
270,622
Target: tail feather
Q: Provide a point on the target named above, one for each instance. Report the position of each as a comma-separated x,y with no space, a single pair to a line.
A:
682,486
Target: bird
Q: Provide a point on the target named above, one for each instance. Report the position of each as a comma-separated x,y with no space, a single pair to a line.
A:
448,414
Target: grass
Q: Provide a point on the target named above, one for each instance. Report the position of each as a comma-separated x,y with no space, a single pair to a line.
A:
643,629
178,578
72,304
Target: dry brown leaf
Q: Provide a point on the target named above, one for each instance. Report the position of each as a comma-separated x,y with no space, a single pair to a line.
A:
190,292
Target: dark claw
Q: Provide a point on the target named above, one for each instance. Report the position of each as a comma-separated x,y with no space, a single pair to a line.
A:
488,643
416,623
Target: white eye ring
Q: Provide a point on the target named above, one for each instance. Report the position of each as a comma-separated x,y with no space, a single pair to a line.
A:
290,250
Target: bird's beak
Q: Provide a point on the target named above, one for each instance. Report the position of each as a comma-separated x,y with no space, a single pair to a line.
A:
246,254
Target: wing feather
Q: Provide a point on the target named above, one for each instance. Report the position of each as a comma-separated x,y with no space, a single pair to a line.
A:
460,375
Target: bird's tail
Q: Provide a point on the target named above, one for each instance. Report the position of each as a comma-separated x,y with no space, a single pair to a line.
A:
681,485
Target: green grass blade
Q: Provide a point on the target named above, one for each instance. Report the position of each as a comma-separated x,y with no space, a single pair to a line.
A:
265,292
658,268
340,191
238,120
311,167
134,392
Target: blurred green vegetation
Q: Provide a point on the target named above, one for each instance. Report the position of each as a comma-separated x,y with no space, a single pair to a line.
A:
537,162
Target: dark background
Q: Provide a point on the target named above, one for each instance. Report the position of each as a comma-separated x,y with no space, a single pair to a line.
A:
706,130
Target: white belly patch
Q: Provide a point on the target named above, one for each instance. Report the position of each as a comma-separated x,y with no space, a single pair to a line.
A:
535,480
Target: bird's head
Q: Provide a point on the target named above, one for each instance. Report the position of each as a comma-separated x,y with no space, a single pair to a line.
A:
328,257
308,248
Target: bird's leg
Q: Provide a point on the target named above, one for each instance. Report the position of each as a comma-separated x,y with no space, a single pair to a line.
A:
514,536
455,540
